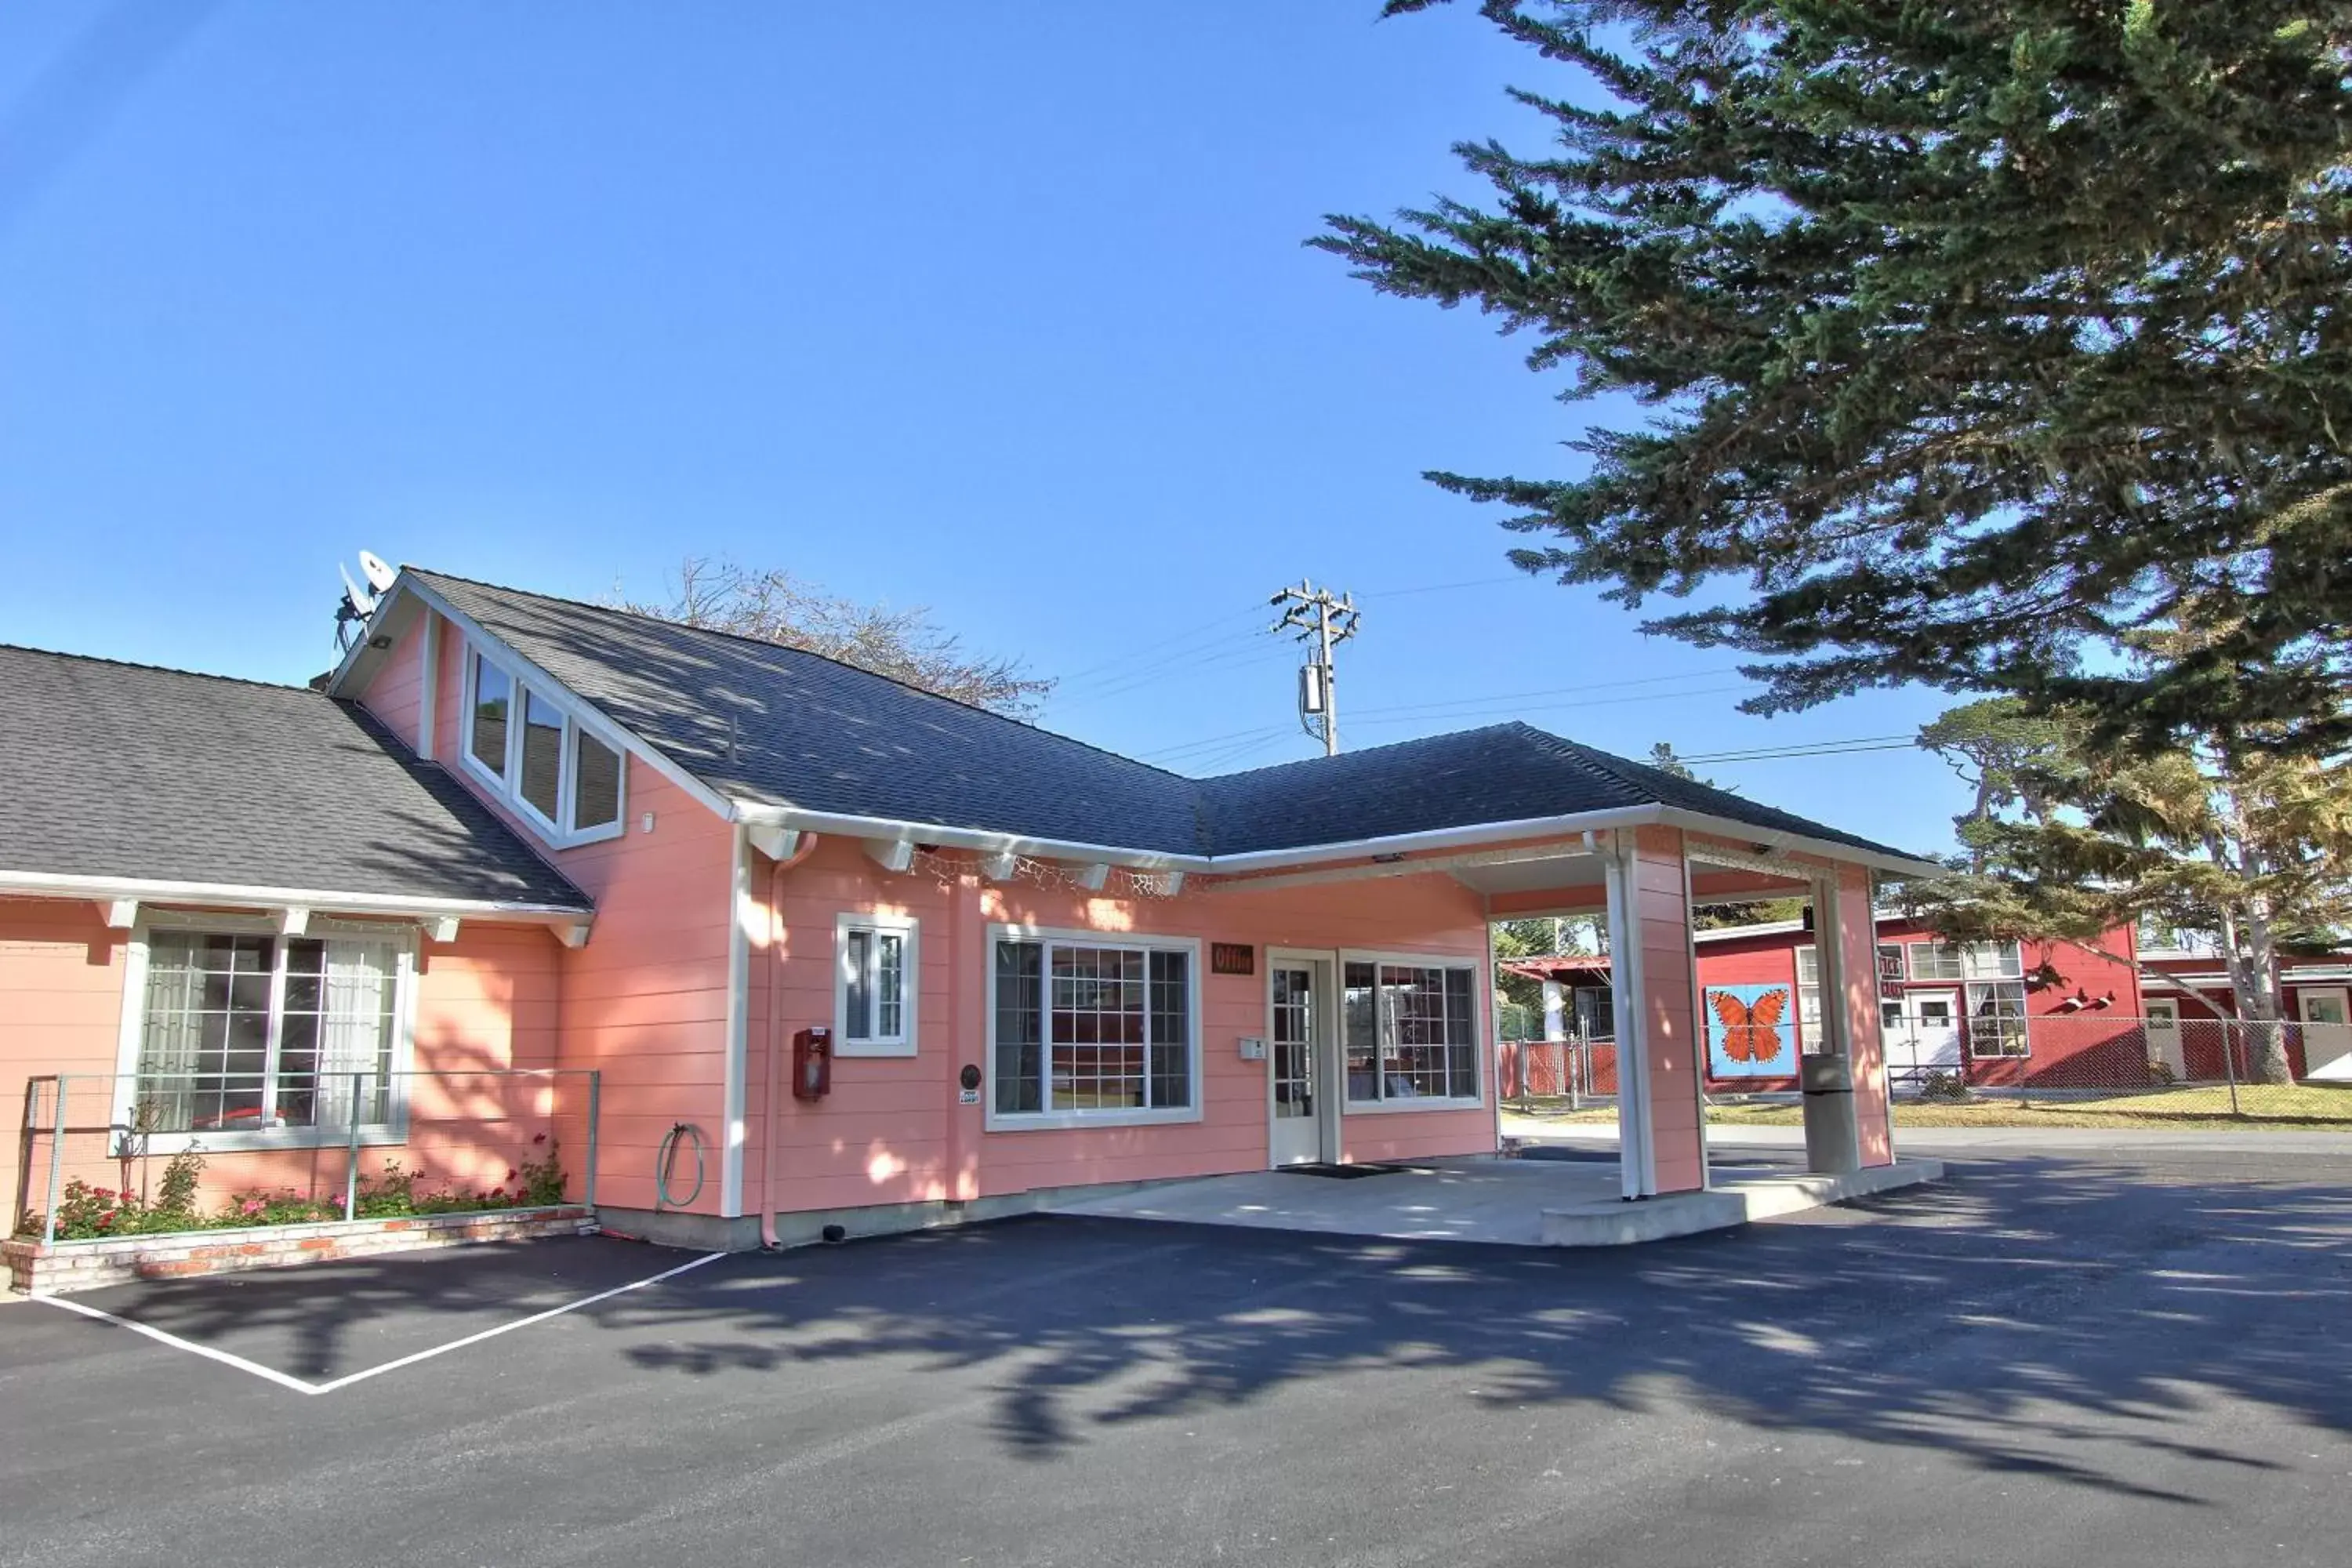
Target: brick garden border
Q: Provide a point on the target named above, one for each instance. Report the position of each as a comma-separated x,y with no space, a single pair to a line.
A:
61,1267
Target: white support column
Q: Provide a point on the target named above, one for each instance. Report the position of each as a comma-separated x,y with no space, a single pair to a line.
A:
890,854
1001,866
1636,1167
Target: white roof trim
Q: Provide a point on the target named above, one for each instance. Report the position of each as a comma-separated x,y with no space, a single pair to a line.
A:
148,890
765,814
633,744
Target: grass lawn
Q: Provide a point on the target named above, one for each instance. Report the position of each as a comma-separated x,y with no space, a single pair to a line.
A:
2287,1106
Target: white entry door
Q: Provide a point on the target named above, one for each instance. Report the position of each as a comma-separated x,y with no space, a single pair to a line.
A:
2327,1033
2164,1034
1300,1035
1931,1032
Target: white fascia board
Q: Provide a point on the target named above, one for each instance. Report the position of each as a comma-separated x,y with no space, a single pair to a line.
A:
50,885
1444,838
630,741
1780,838
963,837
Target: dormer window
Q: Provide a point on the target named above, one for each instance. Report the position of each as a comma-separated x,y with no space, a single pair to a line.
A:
561,778
487,707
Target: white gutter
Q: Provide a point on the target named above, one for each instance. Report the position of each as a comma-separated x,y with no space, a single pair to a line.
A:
50,885
761,815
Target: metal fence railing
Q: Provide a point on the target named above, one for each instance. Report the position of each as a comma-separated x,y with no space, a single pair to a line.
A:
107,1155
1575,1070
2161,1068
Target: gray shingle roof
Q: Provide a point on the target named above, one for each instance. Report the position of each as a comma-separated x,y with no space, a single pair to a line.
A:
778,726
127,771
1502,773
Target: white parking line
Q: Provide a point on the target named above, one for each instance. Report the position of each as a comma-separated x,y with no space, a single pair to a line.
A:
271,1374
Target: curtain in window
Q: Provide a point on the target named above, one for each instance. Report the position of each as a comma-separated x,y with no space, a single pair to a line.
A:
355,1034
171,1044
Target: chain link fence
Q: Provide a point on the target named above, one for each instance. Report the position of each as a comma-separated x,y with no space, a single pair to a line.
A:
105,1154
2162,1067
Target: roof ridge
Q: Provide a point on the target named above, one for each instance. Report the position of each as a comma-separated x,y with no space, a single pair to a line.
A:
1366,752
304,688
804,653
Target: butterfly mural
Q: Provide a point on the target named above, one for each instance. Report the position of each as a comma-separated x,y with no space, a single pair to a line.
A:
1743,1032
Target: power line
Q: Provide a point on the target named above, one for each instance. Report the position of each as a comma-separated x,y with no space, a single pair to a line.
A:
1118,671
1816,749
1403,712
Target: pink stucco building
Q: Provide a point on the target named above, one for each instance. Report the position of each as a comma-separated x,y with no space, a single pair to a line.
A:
512,831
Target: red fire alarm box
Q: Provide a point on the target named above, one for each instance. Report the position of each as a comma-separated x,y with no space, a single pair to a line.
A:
811,1064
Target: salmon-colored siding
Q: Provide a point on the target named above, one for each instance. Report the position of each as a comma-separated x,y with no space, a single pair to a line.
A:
396,693
645,1001
61,973
1676,1052
892,1131
482,1003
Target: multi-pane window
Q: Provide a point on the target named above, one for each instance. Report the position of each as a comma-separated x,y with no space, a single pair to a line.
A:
1997,1026
1412,1032
874,991
1992,961
1890,963
1934,961
1087,1029
1810,1035
528,744
246,1032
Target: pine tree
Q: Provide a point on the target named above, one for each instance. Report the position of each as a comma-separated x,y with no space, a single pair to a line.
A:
2076,839
1976,336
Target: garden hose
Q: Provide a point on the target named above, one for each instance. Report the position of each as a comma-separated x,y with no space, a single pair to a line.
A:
666,1164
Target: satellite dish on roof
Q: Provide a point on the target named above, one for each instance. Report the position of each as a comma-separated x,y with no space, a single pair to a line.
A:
353,611
380,577
359,598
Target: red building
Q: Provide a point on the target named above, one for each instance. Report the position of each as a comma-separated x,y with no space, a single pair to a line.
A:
2039,1015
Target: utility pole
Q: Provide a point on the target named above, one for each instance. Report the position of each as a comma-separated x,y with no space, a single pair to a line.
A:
1315,613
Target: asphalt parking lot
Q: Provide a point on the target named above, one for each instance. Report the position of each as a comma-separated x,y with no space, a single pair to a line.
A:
2100,1358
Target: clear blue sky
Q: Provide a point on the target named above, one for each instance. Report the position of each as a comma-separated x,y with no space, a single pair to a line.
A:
1000,310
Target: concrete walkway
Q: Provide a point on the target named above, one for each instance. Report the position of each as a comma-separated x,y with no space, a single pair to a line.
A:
1515,1203
1445,1200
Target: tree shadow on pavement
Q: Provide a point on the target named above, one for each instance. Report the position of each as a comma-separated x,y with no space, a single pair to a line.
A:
2000,1317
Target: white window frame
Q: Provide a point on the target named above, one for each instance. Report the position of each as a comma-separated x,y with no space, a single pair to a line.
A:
1808,996
1988,961
2167,1022
906,929
1970,1017
558,831
1917,971
131,1039
995,1121
1479,1046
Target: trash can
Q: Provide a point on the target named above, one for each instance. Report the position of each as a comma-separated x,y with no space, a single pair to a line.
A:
1833,1146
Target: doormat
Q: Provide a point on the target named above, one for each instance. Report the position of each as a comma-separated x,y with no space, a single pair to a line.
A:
1341,1173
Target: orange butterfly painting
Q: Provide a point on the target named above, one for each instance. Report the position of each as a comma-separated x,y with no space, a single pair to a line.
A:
1746,1033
